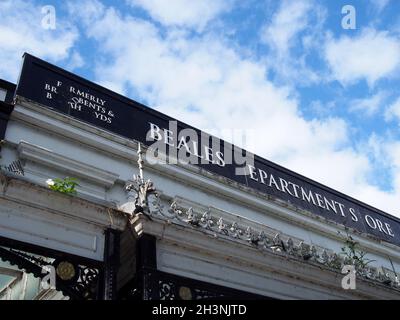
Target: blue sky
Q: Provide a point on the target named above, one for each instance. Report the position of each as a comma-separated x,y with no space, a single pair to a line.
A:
307,93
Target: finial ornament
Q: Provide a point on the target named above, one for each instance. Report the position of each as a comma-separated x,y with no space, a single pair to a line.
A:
140,161
142,188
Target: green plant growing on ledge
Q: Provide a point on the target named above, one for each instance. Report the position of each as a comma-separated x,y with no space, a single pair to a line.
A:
353,255
66,185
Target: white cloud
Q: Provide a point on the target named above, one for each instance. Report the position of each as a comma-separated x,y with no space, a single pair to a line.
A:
370,105
203,81
291,35
386,153
21,30
191,14
393,151
87,12
321,109
393,111
76,61
363,56
379,5
289,20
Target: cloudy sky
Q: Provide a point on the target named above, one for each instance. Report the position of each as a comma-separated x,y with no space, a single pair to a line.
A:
308,94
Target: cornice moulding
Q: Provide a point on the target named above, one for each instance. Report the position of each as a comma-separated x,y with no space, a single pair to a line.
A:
17,190
227,251
41,155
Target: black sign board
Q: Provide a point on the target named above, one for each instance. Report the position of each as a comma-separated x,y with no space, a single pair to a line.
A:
57,89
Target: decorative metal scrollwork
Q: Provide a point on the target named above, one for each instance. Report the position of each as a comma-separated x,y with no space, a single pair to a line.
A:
142,188
251,237
276,244
166,290
160,285
222,227
206,220
192,218
78,281
235,231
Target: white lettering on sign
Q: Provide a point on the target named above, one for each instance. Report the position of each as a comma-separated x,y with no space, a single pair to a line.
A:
186,146
81,100
89,101
314,198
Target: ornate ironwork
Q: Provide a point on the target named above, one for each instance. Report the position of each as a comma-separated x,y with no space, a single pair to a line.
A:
235,231
143,188
167,290
86,286
290,249
251,237
262,241
158,285
192,218
206,220
14,167
83,285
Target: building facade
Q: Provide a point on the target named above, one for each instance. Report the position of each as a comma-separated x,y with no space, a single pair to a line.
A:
144,224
